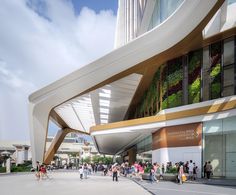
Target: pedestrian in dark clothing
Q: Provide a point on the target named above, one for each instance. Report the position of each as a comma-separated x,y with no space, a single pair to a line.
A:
204,170
208,169
114,173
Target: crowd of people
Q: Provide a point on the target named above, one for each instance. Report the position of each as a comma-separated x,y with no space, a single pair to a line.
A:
183,171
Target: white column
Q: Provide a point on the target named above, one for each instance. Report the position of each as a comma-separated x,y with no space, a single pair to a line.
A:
131,18
8,165
127,21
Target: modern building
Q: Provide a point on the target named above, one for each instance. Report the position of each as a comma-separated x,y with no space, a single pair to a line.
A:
166,93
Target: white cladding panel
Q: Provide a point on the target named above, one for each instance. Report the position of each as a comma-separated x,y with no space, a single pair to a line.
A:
177,154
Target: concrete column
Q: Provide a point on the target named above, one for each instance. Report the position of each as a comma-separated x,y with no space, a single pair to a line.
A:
131,18
8,165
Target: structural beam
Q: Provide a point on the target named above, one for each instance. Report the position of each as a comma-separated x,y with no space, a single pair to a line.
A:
56,142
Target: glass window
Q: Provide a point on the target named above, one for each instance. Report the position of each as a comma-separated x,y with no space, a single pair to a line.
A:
219,146
228,76
228,85
228,51
163,9
168,7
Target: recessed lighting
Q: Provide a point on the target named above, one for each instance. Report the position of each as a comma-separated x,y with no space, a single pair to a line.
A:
106,91
104,121
104,116
104,110
107,95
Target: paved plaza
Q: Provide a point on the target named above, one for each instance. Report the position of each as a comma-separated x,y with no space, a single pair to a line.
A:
67,183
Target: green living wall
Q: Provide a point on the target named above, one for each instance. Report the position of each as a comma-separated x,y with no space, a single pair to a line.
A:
164,86
194,76
175,83
149,104
215,70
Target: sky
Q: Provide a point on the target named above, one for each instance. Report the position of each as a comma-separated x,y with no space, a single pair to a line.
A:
42,41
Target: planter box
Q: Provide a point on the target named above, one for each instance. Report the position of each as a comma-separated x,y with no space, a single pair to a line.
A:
146,176
167,176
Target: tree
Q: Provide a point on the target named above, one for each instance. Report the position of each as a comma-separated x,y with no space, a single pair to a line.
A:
87,160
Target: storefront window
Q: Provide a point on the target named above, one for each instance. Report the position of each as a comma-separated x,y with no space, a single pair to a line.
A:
219,146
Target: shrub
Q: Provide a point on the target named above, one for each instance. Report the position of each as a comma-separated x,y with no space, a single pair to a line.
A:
20,168
172,170
2,169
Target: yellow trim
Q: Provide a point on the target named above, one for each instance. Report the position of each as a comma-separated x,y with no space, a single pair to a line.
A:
171,116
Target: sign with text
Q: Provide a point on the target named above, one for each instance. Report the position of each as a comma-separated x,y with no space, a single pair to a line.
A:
178,136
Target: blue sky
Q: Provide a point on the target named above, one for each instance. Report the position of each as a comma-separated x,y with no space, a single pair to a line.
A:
96,5
42,41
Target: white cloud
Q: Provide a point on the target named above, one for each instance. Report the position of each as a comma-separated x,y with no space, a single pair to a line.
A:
40,44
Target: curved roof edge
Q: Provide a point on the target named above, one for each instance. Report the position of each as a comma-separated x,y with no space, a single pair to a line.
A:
187,16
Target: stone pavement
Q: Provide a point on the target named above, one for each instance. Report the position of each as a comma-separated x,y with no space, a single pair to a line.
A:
67,183
193,188
215,181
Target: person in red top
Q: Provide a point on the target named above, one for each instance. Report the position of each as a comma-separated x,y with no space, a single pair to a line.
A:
43,171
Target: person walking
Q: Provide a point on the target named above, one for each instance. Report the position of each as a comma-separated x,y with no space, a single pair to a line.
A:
81,172
85,169
195,170
190,166
152,174
208,170
37,174
180,174
204,170
114,173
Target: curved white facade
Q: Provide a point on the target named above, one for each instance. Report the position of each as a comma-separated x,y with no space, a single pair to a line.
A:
188,16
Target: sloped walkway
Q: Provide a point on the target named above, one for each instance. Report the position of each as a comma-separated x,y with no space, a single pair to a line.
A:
201,187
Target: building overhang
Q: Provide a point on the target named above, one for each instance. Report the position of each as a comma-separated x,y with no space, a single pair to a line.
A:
114,138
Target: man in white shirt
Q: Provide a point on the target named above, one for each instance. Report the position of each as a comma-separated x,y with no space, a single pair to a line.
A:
191,166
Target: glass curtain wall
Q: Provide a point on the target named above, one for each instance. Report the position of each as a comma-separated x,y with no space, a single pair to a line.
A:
228,67
162,10
219,138
144,150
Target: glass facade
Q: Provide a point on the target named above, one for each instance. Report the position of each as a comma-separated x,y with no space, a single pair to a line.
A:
219,138
204,74
144,150
162,10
